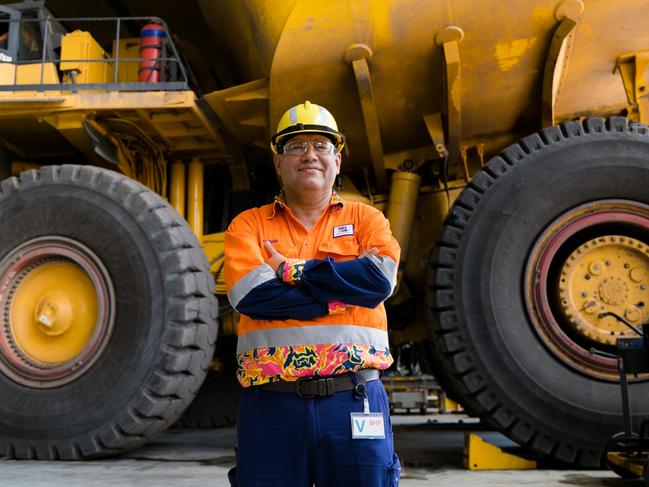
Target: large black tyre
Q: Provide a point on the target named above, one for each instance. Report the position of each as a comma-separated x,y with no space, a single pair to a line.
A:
562,405
217,402
438,368
158,342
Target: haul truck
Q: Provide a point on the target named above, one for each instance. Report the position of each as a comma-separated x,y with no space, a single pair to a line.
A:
503,140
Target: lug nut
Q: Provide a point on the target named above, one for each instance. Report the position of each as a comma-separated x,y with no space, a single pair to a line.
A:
632,314
590,307
636,274
595,268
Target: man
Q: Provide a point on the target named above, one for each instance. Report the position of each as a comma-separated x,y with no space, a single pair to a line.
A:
308,274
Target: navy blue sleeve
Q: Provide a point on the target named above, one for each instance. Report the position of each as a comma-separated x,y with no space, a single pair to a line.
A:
357,282
276,300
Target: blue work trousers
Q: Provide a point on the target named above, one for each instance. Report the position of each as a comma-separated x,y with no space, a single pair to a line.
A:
288,441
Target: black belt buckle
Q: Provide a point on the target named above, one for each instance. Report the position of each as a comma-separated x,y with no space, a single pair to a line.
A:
307,387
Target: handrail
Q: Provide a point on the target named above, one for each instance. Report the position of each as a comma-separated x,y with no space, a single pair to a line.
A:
178,82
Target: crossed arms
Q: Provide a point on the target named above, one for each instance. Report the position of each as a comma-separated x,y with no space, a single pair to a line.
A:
364,281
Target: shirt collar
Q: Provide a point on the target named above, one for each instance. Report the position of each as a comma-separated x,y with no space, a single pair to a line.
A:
279,202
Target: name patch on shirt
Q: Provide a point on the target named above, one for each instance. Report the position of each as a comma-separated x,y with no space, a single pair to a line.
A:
343,230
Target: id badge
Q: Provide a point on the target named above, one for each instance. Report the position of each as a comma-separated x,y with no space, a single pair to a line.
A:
367,426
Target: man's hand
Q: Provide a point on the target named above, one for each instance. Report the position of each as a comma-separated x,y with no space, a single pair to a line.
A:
275,257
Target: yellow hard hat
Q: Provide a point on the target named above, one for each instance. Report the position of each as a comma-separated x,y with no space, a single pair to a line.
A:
304,118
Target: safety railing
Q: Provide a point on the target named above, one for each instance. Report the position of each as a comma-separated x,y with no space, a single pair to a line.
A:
158,58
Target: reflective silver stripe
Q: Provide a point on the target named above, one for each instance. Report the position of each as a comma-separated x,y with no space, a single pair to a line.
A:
292,115
323,116
388,267
247,283
312,335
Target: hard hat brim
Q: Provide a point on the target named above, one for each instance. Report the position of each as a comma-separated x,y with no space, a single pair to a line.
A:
277,141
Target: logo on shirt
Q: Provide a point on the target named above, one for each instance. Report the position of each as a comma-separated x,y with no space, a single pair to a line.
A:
343,230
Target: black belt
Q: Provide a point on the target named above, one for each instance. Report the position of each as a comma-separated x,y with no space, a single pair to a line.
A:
324,386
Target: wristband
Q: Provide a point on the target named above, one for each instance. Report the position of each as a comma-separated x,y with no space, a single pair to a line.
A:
290,271
336,307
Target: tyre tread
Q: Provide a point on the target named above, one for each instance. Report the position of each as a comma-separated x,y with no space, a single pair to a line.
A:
446,329
191,308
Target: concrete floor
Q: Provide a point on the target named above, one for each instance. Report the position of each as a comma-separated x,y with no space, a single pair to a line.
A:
429,446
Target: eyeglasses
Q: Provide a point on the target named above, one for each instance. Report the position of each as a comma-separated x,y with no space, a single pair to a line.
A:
299,147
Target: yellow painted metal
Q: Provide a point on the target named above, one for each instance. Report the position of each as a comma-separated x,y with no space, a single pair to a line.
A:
481,455
358,56
555,65
608,273
7,73
432,207
243,109
70,125
402,203
632,68
251,29
635,465
229,324
127,72
465,162
54,312
173,122
350,192
28,74
213,245
33,74
177,189
449,39
450,406
435,129
301,50
17,167
286,51
16,104
195,197
78,46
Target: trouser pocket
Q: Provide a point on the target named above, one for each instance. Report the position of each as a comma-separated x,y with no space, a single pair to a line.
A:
394,471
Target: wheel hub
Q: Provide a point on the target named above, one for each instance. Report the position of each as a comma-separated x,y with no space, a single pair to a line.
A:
52,311
56,311
590,261
605,274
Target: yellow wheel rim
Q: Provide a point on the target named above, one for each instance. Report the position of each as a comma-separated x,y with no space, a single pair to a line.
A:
606,274
588,265
54,312
57,310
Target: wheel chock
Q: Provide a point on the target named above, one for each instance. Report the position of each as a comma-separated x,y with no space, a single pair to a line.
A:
450,406
481,455
633,466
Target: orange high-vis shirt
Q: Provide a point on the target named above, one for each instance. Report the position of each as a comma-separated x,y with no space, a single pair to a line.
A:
325,316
